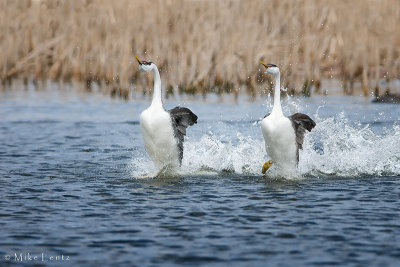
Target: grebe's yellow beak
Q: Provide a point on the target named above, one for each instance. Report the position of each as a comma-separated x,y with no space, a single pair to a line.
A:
140,62
265,65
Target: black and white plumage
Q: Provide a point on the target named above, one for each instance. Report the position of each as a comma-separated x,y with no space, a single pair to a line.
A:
283,136
163,131
300,122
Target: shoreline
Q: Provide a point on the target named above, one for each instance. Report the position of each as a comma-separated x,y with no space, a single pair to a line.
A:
329,88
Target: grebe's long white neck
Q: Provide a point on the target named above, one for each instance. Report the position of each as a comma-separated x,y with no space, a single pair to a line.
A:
157,97
150,66
277,109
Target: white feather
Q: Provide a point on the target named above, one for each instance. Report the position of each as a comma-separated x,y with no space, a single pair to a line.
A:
280,140
158,137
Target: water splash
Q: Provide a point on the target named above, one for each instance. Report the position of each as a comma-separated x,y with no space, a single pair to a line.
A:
245,156
335,147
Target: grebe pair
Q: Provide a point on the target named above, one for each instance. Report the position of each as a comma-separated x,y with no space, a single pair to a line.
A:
163,131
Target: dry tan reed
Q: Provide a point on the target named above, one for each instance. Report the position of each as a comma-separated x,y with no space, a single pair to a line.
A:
201,45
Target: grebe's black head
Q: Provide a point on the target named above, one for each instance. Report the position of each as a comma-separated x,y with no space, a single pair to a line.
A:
270,68
145,66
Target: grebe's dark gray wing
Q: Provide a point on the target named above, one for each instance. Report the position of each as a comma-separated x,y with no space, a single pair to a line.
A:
301,122
181,119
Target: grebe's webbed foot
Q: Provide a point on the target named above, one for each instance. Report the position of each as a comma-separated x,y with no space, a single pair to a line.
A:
266,166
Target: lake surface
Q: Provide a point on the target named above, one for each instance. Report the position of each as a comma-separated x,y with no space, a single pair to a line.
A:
73,193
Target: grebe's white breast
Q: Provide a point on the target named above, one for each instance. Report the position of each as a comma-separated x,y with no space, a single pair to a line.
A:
158,136
280,140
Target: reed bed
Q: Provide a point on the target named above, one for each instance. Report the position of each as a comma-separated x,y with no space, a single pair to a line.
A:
201,46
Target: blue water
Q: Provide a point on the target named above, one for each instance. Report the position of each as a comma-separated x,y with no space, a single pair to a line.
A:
73,191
